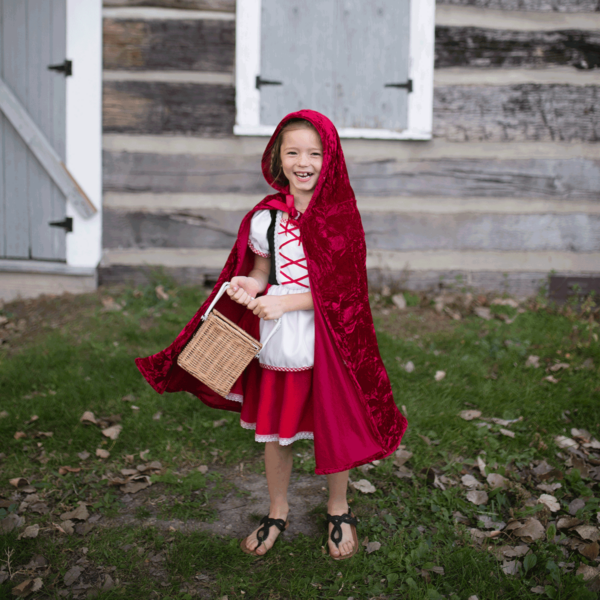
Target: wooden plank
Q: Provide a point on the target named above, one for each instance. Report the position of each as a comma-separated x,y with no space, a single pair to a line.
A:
475,76
3,223
527,112
576,179
216,5
142,107
517,113
372,149
211,228
473,16
183,229
14,62
43,151
481,48
201,45
583,6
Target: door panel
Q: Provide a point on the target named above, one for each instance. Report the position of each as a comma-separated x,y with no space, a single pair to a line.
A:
336,56
33,36
297,47
372,50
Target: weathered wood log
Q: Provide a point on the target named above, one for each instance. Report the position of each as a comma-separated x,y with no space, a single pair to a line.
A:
533,178
584,6
144,107
177,229
384,231
530,112
218,5
517,113
193,45
478,47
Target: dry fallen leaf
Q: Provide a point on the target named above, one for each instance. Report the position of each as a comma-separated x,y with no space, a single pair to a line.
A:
136,484
110,305
588,532
564,442
220,423
203,469
364,486
403,472
469,415
550,501
470,482
590,551
548,487
102,453
402,456
495,480
576,505
531,531
19,434
507,433
160,293
483,312
481,466
589,573
88,417
439,375
551,379
477,497
72,575
144,453
112,432
157,416
80,514
533,361
18,482
372,547
30,532
558,367
567,522
68,469
27,587
83,455
511,567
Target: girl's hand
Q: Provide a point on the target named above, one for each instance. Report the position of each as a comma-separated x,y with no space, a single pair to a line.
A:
269,307
243,290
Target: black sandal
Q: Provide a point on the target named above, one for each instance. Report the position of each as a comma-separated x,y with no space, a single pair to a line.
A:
263,533
336,532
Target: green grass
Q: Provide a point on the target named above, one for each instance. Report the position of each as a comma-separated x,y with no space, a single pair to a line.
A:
88,365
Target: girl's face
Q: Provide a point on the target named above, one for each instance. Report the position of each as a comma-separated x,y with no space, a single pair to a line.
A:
301,159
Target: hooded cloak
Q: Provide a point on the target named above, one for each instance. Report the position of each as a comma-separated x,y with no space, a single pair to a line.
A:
355,418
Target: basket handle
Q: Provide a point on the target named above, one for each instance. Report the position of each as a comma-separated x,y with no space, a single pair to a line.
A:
277,326
218,297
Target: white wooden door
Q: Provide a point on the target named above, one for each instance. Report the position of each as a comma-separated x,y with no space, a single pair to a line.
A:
346,58
32,37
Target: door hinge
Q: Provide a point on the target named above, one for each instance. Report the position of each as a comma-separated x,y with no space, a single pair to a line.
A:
67,224
407,86
260,82
66,68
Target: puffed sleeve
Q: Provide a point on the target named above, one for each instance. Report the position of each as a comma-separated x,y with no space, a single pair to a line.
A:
258,233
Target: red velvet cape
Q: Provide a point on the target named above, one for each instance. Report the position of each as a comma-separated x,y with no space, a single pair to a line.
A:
355,417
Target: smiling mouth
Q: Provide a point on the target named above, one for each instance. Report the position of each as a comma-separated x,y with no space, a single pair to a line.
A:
303,175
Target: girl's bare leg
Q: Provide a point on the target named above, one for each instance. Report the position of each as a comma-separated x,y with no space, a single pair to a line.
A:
338,505
278,468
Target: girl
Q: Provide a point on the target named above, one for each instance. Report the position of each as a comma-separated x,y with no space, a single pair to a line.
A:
321,376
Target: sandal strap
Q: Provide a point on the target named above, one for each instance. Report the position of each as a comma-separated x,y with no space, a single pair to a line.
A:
336,521
267,522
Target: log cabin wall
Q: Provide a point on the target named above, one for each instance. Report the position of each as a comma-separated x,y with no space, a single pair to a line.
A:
506,192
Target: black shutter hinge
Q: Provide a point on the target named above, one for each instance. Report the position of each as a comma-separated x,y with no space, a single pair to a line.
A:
66,68
407,86
260,82
67,224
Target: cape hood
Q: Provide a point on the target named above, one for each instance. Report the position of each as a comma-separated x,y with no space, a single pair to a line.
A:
356,420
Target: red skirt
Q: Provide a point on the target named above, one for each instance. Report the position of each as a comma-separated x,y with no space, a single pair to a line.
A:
279,407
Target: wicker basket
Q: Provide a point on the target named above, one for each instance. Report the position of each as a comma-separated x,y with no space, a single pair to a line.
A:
219,351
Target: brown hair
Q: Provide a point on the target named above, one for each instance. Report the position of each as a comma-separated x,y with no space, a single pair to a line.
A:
276,167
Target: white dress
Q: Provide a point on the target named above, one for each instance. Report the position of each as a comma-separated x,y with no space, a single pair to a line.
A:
292,348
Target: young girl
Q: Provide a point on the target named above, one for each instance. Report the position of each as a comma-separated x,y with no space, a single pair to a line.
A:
300,257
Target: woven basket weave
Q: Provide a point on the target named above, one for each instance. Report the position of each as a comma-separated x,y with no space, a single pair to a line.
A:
218,353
